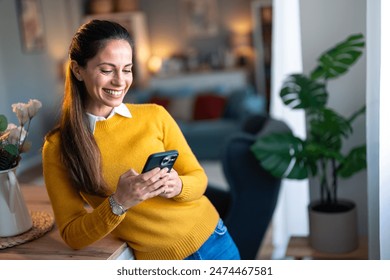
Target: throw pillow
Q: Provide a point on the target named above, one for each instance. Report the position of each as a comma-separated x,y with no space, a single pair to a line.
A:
209,106
160,100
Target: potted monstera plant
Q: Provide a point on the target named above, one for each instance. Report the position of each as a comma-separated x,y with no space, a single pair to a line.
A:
332,221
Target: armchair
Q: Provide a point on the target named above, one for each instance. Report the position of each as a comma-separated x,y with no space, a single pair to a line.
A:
248,206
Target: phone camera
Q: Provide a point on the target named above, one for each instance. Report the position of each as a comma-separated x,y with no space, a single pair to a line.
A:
167,160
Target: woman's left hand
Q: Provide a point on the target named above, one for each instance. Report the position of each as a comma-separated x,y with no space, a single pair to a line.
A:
173,186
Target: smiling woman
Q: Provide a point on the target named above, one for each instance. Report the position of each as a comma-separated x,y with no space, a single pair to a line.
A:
103,144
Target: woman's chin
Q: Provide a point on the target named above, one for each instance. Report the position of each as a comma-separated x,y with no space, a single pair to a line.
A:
115,101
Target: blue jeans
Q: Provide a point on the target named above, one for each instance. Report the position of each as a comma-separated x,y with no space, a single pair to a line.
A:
219,246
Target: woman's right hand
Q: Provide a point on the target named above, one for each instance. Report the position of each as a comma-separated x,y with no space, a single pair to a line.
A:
134,188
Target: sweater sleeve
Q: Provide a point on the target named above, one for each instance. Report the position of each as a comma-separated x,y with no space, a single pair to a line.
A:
78,227
187,166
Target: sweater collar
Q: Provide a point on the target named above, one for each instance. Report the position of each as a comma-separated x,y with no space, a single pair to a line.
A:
120,110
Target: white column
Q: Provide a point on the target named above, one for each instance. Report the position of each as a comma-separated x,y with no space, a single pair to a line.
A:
384,138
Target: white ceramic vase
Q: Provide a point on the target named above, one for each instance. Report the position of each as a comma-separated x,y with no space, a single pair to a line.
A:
14,215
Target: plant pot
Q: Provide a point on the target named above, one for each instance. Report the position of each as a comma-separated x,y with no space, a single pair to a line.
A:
333,228
14,215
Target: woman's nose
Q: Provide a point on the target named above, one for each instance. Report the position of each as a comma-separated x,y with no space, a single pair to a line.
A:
118,79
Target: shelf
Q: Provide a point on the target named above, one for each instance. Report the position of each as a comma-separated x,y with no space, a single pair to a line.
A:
299,249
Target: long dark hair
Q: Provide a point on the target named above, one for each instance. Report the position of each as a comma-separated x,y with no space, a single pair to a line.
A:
79,151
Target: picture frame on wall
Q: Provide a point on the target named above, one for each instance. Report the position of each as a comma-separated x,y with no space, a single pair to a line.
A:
200,18
30,19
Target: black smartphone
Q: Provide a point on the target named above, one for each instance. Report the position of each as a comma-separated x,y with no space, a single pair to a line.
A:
162,159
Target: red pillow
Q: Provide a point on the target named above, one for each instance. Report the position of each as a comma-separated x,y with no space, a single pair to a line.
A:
159,100
209,106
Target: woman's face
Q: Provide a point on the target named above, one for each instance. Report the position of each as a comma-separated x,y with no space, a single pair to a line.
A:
107,77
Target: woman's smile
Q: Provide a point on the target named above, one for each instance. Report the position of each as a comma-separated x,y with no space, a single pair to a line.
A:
115,93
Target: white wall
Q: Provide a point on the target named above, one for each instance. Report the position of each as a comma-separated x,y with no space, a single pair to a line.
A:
35,75
325,23
290,218
4,103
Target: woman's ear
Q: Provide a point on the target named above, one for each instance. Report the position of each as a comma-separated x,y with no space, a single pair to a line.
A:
74,66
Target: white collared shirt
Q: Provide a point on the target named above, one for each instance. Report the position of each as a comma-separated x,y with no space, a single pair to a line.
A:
120,110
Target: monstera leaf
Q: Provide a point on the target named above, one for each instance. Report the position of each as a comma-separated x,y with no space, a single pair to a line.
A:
300,92
328,127
284,156
337,60
355,161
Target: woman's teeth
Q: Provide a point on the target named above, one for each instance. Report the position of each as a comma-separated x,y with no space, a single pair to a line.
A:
113,92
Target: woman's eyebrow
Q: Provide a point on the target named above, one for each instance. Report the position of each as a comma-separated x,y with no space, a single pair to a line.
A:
113,65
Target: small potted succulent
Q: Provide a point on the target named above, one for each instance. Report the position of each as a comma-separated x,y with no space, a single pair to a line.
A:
320,155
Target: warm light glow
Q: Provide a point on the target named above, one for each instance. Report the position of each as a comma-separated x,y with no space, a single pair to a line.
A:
164,50
241,37
241,44
154,64
57,50
165,46
241,27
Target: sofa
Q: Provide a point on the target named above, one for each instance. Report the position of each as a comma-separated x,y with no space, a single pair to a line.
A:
206,116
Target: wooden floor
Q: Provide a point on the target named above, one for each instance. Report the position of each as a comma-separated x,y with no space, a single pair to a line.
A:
266,249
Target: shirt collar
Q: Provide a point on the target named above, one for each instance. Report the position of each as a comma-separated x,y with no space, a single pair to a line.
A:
120,110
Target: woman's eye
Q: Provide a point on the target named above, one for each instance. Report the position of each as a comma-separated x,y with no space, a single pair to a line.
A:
127,71
106,71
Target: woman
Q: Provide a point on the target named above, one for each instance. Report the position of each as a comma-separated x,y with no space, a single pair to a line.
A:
98,150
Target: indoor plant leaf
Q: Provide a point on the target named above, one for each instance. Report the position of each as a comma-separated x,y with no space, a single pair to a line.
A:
354,162
3,123
284,156
328,127
357,113
317,151
300,92
338,59
11,149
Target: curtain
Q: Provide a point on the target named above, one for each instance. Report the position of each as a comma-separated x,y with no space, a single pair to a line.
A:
291,212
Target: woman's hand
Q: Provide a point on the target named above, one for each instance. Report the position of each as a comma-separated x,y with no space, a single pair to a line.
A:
173,186
134,188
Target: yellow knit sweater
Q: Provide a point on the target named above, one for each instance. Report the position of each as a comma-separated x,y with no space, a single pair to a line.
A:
158,228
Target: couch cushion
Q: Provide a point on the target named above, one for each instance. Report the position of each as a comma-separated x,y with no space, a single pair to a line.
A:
206,137
182,108
244,102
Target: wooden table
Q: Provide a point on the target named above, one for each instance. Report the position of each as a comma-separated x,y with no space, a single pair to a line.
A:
51,246
299,248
